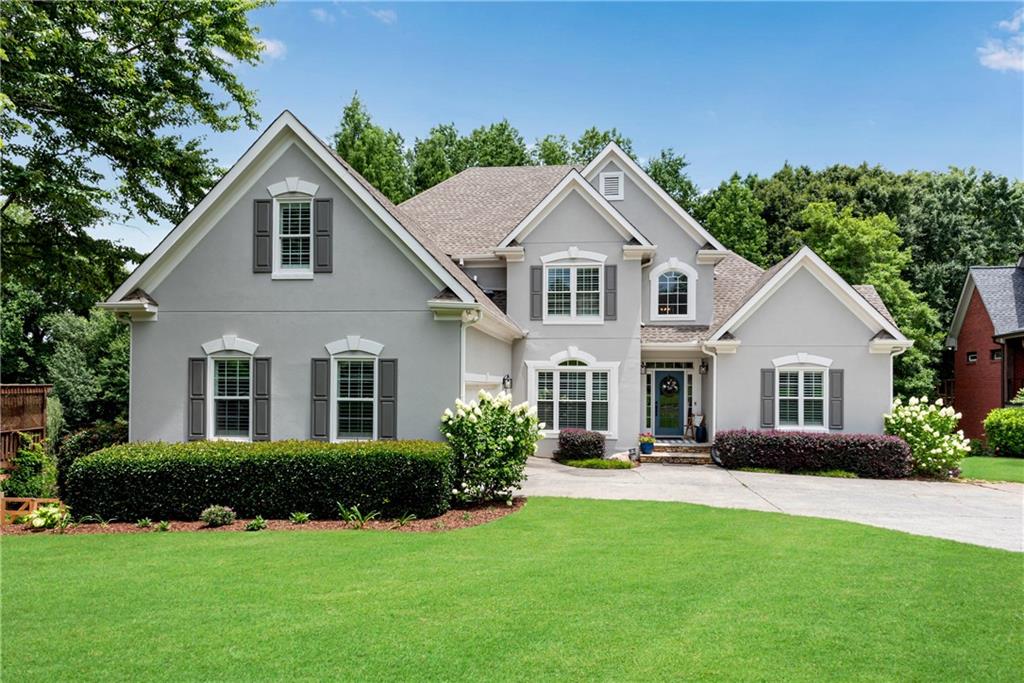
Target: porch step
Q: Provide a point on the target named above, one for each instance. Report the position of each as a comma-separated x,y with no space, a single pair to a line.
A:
681,447
681,457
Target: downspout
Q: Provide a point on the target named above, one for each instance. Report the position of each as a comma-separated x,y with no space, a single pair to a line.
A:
714,391
892,355
468,319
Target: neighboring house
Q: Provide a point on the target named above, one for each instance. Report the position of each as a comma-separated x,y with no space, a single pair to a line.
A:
987,338
296,302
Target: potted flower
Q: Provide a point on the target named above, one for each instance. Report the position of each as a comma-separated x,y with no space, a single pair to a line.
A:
647,443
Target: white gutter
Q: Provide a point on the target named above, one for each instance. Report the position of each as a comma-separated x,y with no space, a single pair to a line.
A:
714,391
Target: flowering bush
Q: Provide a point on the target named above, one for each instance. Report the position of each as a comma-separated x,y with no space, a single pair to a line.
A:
491,440
1004,429
930,429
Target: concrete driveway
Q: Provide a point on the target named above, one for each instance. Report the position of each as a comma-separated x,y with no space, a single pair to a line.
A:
983,514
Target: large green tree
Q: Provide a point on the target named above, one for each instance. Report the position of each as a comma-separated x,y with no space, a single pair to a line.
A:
95,97
498,144
668,169
733,215
593,140
374,152
439,156
552,150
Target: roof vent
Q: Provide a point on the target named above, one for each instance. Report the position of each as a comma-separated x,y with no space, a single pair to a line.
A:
611,185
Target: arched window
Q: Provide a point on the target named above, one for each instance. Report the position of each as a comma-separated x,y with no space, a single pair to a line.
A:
673,289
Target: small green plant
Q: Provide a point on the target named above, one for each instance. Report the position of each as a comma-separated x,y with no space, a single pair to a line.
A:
163,526
404,519
354,517
51,516
144,523
96,519
299,517
217,515
466,516
34,474
256,524
438,524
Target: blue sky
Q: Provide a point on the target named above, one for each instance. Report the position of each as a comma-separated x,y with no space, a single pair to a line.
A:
733,86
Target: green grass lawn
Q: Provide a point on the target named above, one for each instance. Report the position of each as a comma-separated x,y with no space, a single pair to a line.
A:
993,469
607,590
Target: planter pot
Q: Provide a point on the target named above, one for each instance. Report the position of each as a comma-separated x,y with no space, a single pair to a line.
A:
647,448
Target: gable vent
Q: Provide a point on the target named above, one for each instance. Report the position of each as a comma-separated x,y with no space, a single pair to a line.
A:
611,185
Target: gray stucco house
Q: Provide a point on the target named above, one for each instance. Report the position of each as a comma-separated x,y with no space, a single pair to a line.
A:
297,302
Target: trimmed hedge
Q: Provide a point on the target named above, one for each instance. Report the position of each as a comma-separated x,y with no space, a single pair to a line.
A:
1004,430
579,444
866,455
86,441
272,479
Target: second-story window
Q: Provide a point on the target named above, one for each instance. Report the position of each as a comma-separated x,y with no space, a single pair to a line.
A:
294,235
573,292
673,286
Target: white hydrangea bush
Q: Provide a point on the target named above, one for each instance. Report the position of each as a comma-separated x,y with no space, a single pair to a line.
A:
930,429
491,440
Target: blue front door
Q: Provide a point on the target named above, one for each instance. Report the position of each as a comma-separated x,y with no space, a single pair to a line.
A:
669,403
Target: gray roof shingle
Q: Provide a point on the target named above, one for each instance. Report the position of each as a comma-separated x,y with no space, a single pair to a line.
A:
1002,291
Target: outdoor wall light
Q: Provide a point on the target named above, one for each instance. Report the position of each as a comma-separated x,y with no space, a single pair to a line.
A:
506,382
703,369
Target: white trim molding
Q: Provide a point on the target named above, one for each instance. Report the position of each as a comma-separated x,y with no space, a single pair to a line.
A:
572,260
674,265
354,355
574,253
603,184
230,342
573,353
354,343
293,186
637,252
800,398
709,257
802,359
587,364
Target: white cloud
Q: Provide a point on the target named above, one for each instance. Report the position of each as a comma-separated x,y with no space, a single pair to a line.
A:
384,16
273,48
1005,54
322,15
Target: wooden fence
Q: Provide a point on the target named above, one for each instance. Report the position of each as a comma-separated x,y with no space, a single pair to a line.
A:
13,508
22,411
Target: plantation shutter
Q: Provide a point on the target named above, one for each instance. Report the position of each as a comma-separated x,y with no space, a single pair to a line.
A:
261,399
323,258
320,420
536,292
835,399
387,391
262,237
610,293
768,398
196,399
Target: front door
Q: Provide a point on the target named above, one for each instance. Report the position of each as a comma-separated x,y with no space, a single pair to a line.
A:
669,403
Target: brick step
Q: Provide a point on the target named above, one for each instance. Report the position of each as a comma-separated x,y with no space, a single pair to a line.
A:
678,458
682,448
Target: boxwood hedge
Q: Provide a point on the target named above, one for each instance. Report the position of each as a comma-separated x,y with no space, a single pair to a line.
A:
1004,428
866,455
272,479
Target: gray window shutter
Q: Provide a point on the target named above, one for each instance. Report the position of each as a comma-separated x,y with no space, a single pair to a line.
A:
261,399
323,251
835,399
262,237
320,424
387,393
196,399
536,292
610,293
768,398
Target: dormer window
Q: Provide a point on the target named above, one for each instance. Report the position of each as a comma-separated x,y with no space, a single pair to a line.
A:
673,286
611,185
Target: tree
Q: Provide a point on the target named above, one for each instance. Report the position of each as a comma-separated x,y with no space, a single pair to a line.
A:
442,154
373,152
733,215
668,169
552,150
593,140
94,97
498,144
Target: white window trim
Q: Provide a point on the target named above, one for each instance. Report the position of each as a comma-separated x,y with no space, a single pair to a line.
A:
622,190
801,368
674,264
211,407
574,258
352,355
552,364
278,272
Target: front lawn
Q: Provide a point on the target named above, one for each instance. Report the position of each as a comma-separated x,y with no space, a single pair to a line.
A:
993,469
610,590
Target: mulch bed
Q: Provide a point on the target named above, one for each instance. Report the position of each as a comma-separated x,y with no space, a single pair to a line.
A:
453,519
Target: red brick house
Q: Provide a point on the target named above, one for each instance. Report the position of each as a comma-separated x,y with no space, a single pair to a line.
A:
987,339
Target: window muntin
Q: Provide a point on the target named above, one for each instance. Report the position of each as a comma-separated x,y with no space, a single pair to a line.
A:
673,293
801,398
573,399
232,391
294,235
573,292
355,395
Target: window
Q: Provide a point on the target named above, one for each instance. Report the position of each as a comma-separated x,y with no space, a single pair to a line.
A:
972,357
673,284
356,393
611,186
801,398
573,292
996,354
573,396
231,397
672,293
294,235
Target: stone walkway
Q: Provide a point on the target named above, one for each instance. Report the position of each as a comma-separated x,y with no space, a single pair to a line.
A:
987,514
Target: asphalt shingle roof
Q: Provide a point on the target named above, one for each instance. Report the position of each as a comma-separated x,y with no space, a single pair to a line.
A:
1002,291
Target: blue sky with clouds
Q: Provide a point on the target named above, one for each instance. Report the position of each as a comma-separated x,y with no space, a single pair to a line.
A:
733,86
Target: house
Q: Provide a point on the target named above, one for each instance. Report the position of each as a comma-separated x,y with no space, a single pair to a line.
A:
987,339
296,302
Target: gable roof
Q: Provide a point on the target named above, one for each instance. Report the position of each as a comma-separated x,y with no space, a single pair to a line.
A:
687,222
472,211
1001,289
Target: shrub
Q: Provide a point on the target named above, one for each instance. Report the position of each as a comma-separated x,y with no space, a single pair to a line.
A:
930,429
34,474
579,444
599,464
144,523
866,455
256,524
491,440
86,441
299,517
51,516
217,515
162,526
272,478
1004,429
